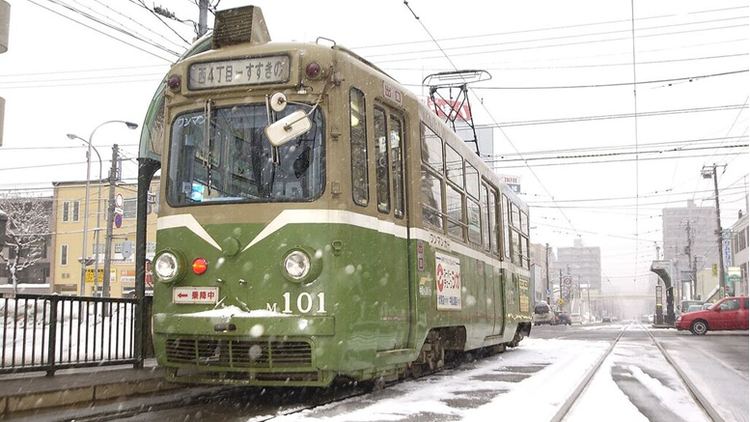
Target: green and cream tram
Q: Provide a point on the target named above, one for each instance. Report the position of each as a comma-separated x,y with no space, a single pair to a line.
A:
318,221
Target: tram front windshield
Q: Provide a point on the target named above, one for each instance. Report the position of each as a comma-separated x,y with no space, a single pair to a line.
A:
232,160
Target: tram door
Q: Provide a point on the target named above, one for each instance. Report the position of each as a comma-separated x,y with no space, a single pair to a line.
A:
391,207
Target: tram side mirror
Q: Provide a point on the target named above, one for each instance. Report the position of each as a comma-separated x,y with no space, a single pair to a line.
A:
288,128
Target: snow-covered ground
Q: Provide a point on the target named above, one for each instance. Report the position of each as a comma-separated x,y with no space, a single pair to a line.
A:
530,383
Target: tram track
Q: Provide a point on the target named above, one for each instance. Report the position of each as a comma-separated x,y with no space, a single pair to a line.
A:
581,387
700,400
694,391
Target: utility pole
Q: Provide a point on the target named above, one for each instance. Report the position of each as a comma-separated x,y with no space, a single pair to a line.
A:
707,172
202,17
110,220
689,253
546,264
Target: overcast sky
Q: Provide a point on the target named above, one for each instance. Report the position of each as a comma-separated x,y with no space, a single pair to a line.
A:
62,77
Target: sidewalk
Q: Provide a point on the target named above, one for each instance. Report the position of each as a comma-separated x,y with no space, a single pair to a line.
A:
33,391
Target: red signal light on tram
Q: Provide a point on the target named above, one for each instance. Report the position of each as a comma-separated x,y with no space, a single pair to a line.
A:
312,70
174,82
200,266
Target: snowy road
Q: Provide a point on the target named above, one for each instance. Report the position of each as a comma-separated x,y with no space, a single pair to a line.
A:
530,383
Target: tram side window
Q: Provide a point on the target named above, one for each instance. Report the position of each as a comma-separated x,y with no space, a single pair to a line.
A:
381,162
474,212
524,223
432,198
525,252
506,227
516,239
472,180
358,136
492,213
455,212
432,148
454,166
515,216
397,165
484,200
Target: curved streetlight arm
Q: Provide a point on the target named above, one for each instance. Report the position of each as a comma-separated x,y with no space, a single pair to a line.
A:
84,253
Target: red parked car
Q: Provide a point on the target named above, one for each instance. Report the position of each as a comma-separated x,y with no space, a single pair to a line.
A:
729,314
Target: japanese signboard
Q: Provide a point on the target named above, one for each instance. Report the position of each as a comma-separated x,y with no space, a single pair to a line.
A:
245,71
448,281
204,295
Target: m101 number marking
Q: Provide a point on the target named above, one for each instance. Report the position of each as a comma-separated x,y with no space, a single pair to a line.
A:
305,303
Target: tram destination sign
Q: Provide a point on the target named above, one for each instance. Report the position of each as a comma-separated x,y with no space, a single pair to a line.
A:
235,72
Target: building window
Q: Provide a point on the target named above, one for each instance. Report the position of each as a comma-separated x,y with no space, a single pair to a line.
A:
130,208
70,211
64,255
358,140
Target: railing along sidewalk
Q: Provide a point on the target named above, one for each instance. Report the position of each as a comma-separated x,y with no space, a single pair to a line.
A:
51,332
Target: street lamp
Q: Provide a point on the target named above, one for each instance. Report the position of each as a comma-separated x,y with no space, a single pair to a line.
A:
130,125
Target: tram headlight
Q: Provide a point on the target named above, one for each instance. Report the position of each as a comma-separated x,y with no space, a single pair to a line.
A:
297,265
167,267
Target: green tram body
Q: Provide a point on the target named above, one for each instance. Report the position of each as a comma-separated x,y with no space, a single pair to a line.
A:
368,307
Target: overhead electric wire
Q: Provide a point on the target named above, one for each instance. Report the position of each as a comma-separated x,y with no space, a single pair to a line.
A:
507,50
615,147
102,69
560,37
143,5
113,21
49,147
615,154
82,83
621,198
489,66
158,34
121,30
551,28
498,166
614,84
100,31
614,116
510,141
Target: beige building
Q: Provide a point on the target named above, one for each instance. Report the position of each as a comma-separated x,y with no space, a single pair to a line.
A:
68,223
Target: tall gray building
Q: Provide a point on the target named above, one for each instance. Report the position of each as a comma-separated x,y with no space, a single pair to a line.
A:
689,232
584,263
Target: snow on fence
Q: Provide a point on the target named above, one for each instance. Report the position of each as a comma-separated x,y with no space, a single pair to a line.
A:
50,332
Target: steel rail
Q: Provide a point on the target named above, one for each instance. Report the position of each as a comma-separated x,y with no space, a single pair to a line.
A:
699,398
568,404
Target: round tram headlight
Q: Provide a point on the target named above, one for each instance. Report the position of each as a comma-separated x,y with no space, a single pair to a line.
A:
297,265
167,267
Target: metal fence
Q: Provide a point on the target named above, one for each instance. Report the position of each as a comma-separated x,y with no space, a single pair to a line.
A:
49,332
